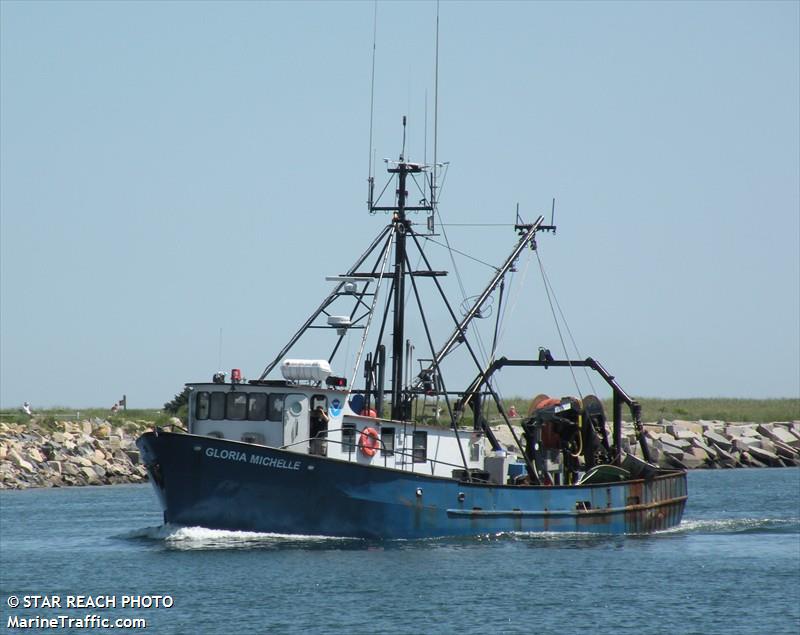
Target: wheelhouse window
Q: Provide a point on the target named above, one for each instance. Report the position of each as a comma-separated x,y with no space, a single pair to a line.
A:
387,441
275,410
257,406
420,447
475,451
217,406
349,437
201,405
237,406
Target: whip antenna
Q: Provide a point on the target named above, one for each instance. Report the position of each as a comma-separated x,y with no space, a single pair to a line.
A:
435,114
403,153
371,178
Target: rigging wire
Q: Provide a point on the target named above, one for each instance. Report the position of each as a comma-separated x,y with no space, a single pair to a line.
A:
440,188
408,293
359,297
558,328
460,253
435,202
439,374
385,187
566,324
372,90
452,259
421,191
509,310
386,252
482,348
434,194
425,133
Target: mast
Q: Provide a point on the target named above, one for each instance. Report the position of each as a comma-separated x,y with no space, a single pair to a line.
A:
401,227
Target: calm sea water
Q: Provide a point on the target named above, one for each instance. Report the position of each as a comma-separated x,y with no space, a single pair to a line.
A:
732,567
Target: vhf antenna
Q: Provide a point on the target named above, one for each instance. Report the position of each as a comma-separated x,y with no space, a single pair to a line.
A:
403,152
431,218
371,177
552,226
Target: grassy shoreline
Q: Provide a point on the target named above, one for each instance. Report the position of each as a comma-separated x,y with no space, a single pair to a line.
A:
752,410
131,420
690,409
653,409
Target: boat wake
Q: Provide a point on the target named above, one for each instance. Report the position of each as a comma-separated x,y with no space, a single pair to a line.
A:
717,526
737,526
181,538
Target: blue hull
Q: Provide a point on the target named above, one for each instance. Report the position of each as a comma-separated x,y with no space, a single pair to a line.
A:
224,484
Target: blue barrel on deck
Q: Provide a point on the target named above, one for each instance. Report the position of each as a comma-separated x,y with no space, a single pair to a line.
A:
515,470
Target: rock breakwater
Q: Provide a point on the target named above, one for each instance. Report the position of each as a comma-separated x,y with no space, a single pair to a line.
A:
707,444
91,452
718,444
94,452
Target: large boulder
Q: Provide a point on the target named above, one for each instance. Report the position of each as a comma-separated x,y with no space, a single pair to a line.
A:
20,462
82,461
779,433
695,458
786,451
679,428
724,458
699,443
672,450
35,455
90,474
103,431
743,444
717,439
765,456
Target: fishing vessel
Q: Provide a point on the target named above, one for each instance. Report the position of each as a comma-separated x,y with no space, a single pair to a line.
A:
304,450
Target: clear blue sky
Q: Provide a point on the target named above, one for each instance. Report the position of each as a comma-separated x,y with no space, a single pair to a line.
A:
168,170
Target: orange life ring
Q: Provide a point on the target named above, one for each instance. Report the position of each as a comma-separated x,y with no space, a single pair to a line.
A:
368,442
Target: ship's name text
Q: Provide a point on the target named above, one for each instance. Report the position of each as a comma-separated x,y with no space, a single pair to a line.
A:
255,459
